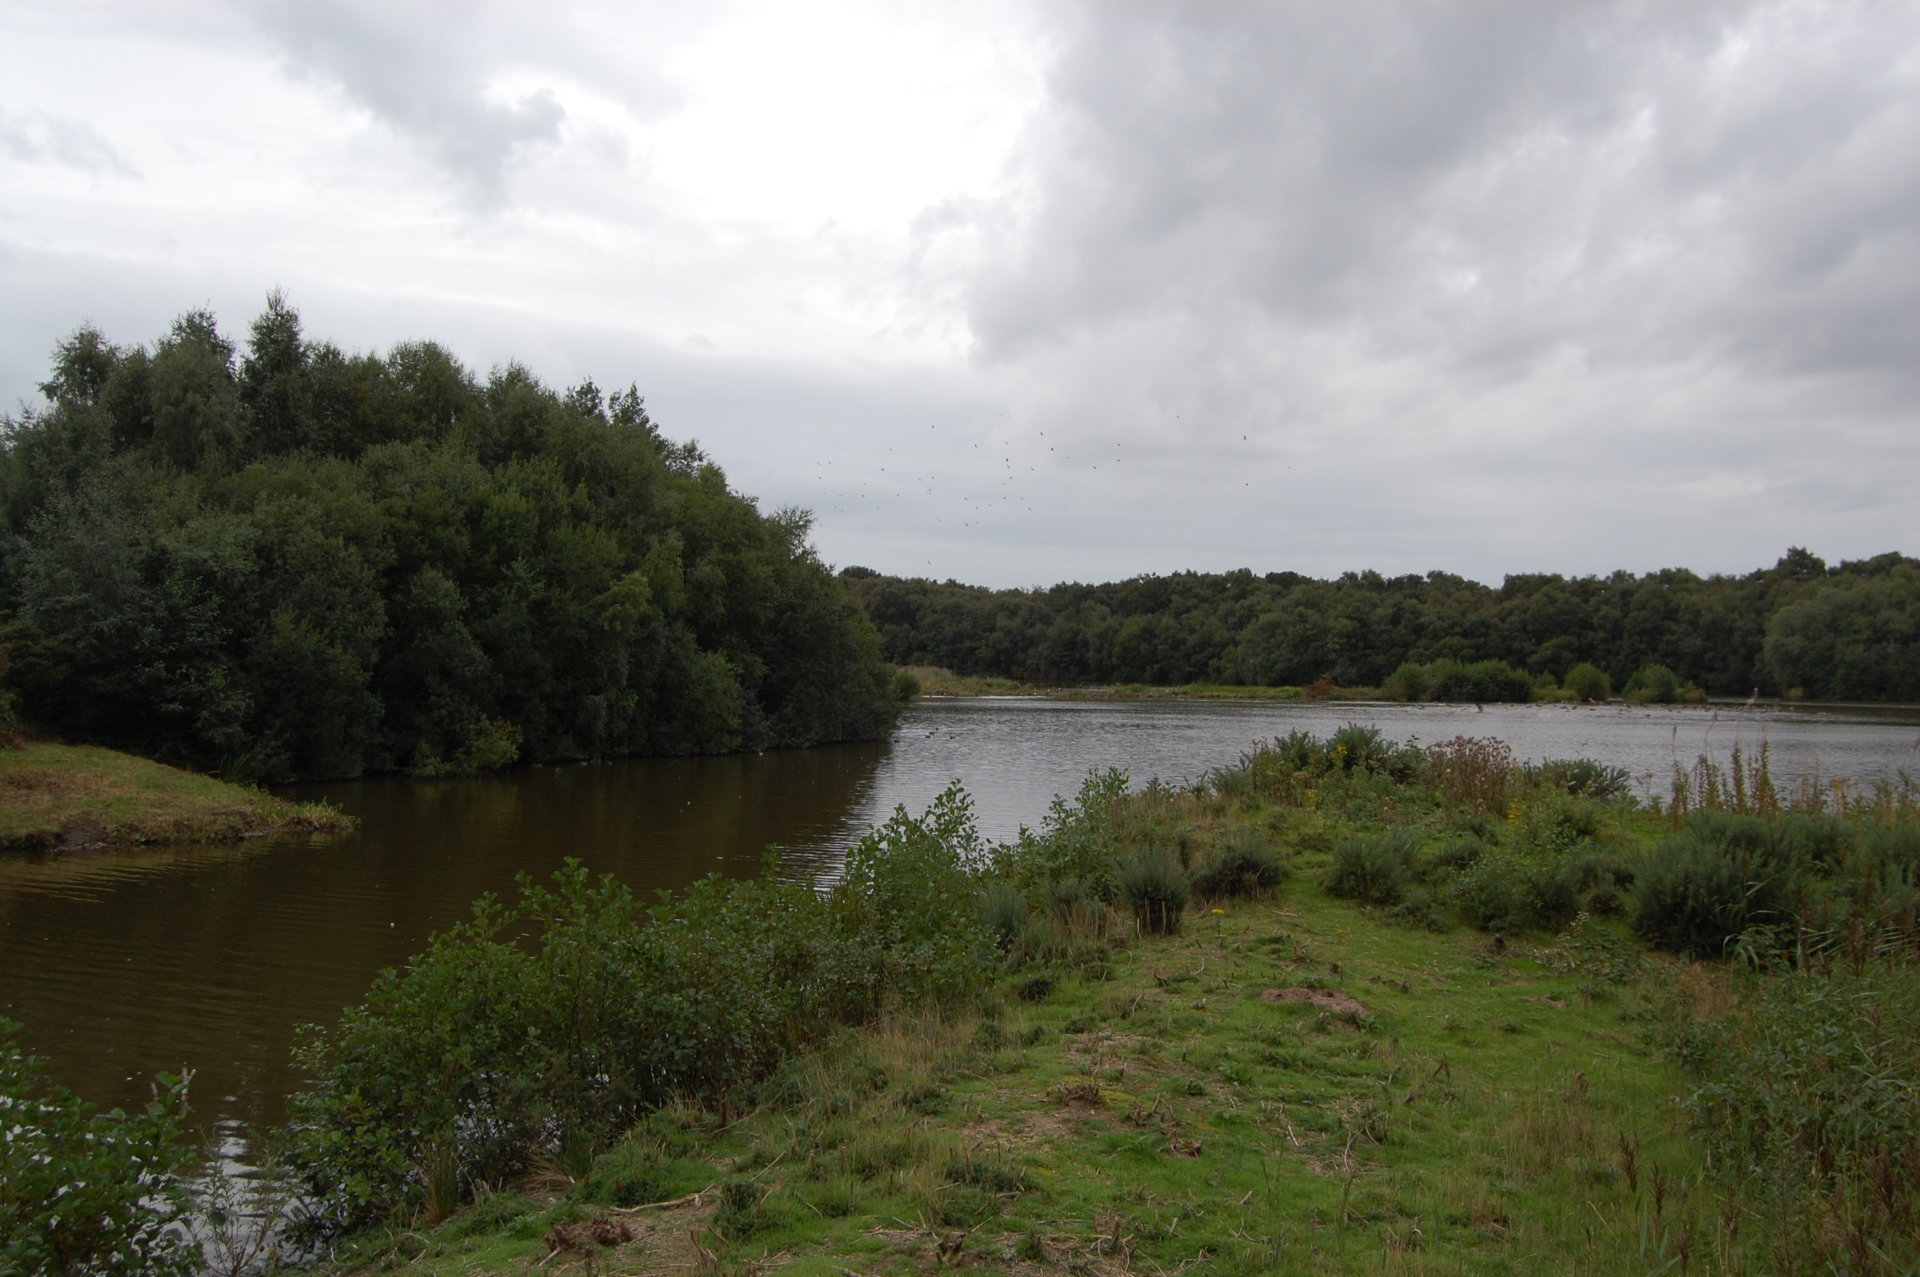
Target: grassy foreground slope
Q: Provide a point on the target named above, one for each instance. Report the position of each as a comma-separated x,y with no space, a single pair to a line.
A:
1347,1007
80,795
1285,1087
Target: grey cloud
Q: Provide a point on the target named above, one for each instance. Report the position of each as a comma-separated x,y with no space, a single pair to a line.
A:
41,138
423,71
1491,181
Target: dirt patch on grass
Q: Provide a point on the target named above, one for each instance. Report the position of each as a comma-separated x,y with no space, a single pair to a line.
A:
1324,999
37,786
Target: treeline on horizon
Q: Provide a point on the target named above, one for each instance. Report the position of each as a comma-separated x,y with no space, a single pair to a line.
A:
291,561
1845,632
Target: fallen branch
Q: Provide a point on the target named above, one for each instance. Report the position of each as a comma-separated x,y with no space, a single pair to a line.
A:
691,1199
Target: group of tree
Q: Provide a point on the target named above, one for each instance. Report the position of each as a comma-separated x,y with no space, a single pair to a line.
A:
1845,632
291,561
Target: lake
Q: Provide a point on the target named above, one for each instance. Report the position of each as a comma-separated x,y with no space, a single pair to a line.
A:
122,964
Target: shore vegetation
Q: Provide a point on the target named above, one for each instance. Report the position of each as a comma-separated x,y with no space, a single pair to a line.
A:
1348,1005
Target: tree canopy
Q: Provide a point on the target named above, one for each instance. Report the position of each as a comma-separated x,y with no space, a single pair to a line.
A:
1850,631
290,561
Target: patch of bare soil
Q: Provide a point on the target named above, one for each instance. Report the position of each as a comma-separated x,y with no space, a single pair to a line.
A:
41,785
81,833
1324,999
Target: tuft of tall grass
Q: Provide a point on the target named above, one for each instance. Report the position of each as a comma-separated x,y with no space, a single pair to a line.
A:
1373,868
1003,908
1156,888
1808,1101
1245,864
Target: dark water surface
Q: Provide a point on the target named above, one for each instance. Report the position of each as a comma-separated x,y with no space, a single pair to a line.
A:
124,964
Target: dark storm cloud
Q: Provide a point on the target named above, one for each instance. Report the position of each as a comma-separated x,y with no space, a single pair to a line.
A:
424,71
1481,182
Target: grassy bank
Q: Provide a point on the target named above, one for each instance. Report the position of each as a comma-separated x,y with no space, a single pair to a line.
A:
1346,1007
80,795
1285,1086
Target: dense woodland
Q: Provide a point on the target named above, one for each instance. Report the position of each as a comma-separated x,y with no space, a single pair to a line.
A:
1847,632
291,561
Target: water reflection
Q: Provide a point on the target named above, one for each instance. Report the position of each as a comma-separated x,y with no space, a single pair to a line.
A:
123,964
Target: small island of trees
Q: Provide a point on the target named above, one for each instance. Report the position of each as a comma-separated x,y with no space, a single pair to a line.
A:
291,561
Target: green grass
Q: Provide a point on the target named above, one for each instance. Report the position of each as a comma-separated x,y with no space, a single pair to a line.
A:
80,795
1304,1083
1486,1112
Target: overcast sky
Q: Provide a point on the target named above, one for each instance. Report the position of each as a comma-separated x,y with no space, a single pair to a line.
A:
1018,294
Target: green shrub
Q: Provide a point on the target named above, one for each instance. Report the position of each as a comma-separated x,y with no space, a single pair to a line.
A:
1581,777
1155,887
1372,868
1712,883
741,1210
1407,683
1420,908
1588,682
1653,684
1492,897
1246,864
1461,853
86,1192
904,686
9,720
1362,747
492,1049
1489,681
1553,894
1075,841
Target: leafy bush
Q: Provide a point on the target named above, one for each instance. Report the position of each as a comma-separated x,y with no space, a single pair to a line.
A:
1710,884
1553,894
1372,868
1246,864
1581,777
488,1051
83,1192
1420,908
1156,888
1588,682
1489,681
1075,841
1653,684
1406,683
1492,897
